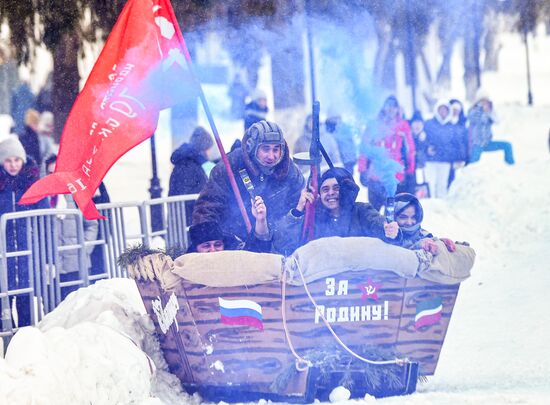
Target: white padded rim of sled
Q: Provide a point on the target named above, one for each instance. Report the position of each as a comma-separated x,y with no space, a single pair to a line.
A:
328,256
229,268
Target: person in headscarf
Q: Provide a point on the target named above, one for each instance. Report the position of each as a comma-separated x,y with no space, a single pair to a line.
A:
409,215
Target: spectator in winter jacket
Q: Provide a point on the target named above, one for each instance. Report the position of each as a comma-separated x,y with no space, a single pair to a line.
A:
256,110
481,119
39,147
440,153
68,268
264,159
409,215
392,133
343,134
336,214
188,176
460,138
419,135
329,143
17,174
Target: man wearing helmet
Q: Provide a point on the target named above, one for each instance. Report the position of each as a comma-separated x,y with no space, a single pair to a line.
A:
276,183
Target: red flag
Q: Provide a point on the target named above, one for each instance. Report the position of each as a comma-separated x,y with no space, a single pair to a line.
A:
141,70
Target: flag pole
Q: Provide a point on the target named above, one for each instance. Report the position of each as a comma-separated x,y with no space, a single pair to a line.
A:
210,118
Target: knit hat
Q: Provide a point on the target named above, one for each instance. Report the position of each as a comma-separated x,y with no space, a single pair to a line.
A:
12,147
201,140
263,132
258,94
207,231
482,94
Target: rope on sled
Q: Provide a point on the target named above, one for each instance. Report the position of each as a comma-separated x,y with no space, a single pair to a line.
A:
327,324
301,363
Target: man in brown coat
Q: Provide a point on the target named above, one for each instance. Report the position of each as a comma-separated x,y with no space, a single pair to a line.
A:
265,157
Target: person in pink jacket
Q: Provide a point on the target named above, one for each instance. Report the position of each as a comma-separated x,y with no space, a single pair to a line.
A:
387,160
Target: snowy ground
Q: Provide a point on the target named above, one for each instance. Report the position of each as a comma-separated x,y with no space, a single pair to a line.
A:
98,346
496,349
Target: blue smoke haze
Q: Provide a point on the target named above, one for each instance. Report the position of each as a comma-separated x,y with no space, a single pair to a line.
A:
383,167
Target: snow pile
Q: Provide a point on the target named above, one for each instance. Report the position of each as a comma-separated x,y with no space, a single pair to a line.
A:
96,347
499,332
339,394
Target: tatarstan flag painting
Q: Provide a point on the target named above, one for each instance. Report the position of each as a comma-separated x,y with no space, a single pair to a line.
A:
143,68
428,312
241,312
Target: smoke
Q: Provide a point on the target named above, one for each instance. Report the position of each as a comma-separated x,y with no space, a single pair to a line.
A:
344,60
383,167
344,53
344,48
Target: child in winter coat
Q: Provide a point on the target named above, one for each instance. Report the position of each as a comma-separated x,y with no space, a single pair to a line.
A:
256,110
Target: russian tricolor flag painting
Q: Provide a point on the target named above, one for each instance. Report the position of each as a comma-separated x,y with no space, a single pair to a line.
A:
241,312
428,312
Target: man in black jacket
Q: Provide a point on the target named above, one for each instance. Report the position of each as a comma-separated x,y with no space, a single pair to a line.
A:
188,176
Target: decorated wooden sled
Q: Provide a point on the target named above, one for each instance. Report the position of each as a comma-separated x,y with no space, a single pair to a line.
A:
373,331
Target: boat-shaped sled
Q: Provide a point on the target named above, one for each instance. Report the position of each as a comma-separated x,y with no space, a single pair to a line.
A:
295,336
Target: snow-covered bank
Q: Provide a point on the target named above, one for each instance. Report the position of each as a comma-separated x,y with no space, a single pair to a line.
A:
97,347
498,336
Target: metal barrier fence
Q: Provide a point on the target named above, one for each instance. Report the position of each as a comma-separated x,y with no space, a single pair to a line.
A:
171,220
29,284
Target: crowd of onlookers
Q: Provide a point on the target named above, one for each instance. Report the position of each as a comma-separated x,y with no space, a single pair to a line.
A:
391,153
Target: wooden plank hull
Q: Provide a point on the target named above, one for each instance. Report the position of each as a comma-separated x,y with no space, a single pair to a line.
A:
225,355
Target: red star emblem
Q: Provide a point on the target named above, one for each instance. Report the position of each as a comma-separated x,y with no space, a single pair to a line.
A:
369,290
